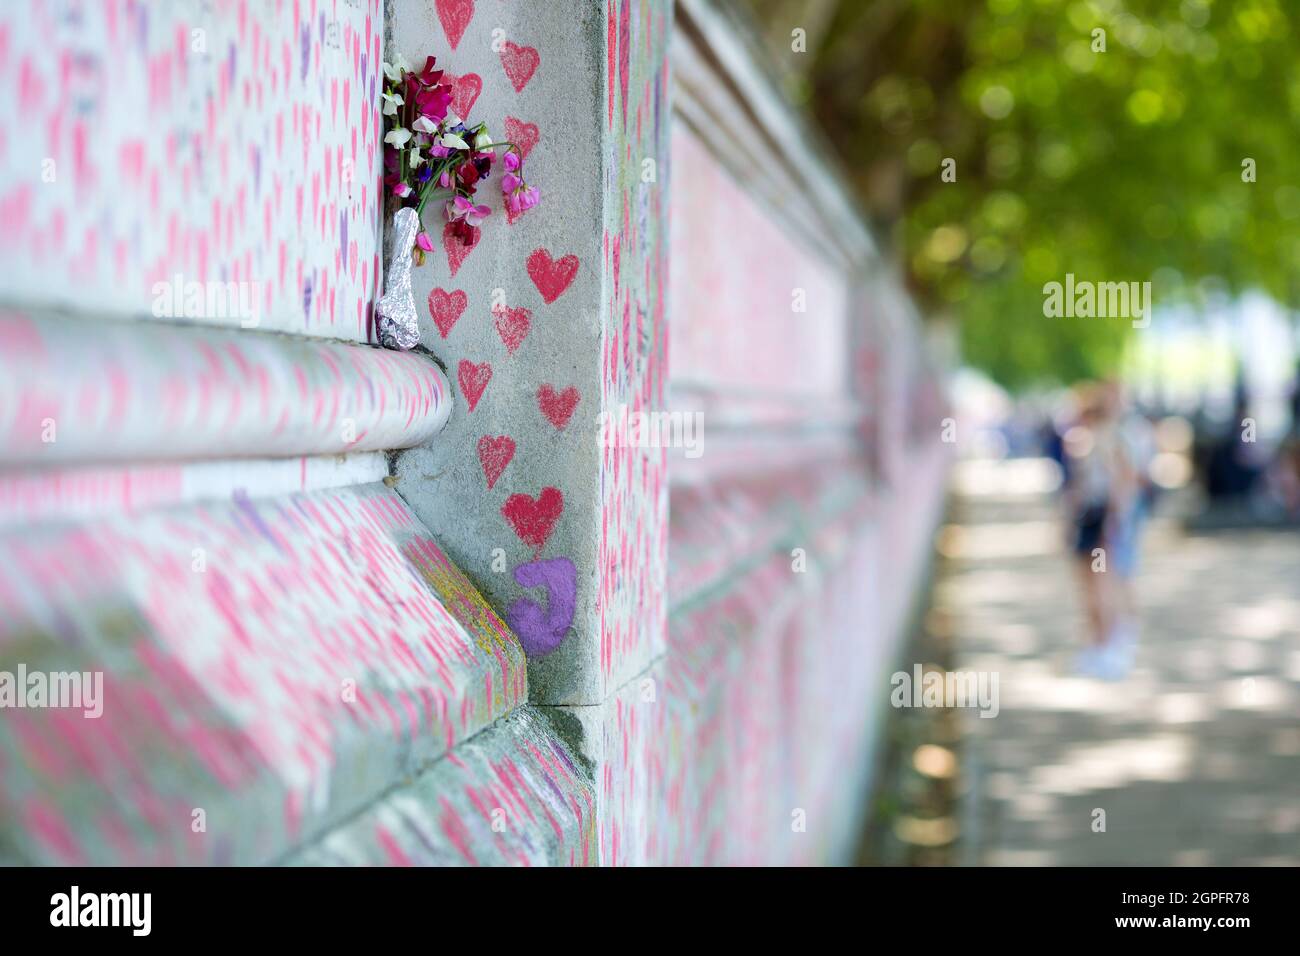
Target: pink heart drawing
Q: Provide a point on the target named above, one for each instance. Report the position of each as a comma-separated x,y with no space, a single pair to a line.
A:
557,406
456,251
494,454
534,520
446,308
524,135
520,64
551,278
455,16
473,379
465,91
512,325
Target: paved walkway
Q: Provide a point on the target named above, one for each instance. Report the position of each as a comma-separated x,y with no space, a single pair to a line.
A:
1195,757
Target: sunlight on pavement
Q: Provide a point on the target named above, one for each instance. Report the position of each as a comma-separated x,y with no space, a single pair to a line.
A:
1021,476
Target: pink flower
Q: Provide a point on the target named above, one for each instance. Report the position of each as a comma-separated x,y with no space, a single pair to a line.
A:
519,196
402,190
461,208
424,242
522,198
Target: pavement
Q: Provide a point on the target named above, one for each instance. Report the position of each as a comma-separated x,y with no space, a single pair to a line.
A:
1192,759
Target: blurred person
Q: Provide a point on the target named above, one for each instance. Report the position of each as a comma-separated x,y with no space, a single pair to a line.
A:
1293,402
1097,491
1285,473
1284,476
1053,446
1231,468
1052,436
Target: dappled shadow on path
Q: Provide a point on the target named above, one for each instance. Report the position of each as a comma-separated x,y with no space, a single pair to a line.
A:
1194,757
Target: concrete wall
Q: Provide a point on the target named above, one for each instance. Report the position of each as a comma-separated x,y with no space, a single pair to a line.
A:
354,606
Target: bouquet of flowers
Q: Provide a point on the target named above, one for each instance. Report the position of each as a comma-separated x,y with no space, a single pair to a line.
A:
432,155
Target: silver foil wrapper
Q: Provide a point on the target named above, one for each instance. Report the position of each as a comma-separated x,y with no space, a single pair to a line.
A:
399,327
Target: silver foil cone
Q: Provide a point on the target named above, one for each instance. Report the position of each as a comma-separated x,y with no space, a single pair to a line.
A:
399,328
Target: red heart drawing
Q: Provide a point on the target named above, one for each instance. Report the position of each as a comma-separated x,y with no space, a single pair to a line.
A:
494,454
455,16
464,92
456,251
533,520
550,277
524,135
473,379
446,308
520,63
512,325
557,406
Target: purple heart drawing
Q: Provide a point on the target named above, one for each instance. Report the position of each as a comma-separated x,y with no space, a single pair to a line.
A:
541,630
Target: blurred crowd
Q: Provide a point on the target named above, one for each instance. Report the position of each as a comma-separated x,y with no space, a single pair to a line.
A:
1238,471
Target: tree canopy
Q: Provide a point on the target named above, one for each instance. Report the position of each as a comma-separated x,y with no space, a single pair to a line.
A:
1111,139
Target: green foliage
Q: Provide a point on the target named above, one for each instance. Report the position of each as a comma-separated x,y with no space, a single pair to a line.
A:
1122,165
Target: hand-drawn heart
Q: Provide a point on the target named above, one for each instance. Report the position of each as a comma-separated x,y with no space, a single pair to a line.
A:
524,135
455,16
520,64
494,454
512,325
551,278
533,520
465,91
446,308
473,379
456,252
557,406
542,631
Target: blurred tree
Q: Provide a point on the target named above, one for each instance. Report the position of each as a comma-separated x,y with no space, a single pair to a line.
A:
1100,137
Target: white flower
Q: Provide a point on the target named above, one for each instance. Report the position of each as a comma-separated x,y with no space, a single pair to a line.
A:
398,137
394,70
391,102
416,158
452,141
425,125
